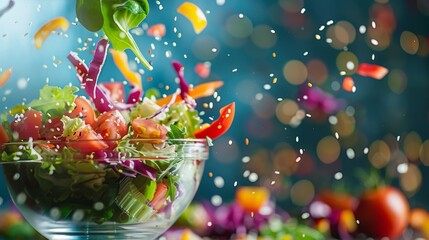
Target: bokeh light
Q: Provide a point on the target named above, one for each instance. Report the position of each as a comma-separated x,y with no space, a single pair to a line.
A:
411,181
409,42
295,72
345,124
397,81
412,145
341,34
264,36
347,62
239,26
379,154
302,192
328,149
317,71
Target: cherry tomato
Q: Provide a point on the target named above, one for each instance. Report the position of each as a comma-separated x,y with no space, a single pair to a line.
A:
220,125
52,129
4,138
82,110
116,90
417,217
148,129
28,125
111,126
382,212
86,140
337,201
159,199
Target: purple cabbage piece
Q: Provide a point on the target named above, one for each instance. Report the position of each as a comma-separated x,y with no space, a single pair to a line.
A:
184,87
318,100
89,78
138,167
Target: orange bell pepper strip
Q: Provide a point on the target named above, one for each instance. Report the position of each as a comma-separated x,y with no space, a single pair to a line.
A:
220,125
45,30
4,138
202,90
195,15
4,77
121,61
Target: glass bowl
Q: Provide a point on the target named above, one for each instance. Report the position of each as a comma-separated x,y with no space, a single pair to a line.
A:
103,195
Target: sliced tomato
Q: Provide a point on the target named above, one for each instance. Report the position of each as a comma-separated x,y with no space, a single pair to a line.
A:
159,198
4,138
372,70
220,125
82,110
111,126
86,140
116,90
52,129
28,125
148,129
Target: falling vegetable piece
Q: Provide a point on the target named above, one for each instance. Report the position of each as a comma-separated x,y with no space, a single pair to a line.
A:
349,84
202,90
184,87
371,70
251,199
5,76
220,125
7,8
45,30
157,30
194,14
89,77
203,69
121,60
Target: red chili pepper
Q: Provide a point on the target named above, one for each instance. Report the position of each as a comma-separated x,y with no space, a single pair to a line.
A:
220,125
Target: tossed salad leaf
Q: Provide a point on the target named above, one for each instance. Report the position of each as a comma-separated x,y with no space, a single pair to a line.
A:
55,101
71,125
119,17
89,14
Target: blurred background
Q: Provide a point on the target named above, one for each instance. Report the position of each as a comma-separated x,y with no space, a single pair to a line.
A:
300,127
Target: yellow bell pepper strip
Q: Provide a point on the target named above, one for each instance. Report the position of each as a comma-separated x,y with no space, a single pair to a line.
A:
121,61
5,76
220,125
47,28
251,199
199,91
195,15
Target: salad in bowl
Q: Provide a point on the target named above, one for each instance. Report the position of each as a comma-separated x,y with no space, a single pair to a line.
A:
106,166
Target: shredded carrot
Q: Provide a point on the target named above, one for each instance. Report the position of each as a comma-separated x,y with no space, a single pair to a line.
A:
45,30
202,90
371,70
121,61
5,76
157,30
349,84
195,15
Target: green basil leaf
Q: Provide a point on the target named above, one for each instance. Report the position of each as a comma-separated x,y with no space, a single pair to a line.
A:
119,17
89,14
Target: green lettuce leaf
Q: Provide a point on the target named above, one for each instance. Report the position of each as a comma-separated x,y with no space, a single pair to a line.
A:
71,125
54,101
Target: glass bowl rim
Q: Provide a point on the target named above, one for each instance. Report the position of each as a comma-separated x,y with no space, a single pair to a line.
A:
157,154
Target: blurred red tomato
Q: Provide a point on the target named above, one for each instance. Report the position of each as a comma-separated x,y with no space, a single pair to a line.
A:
382,212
